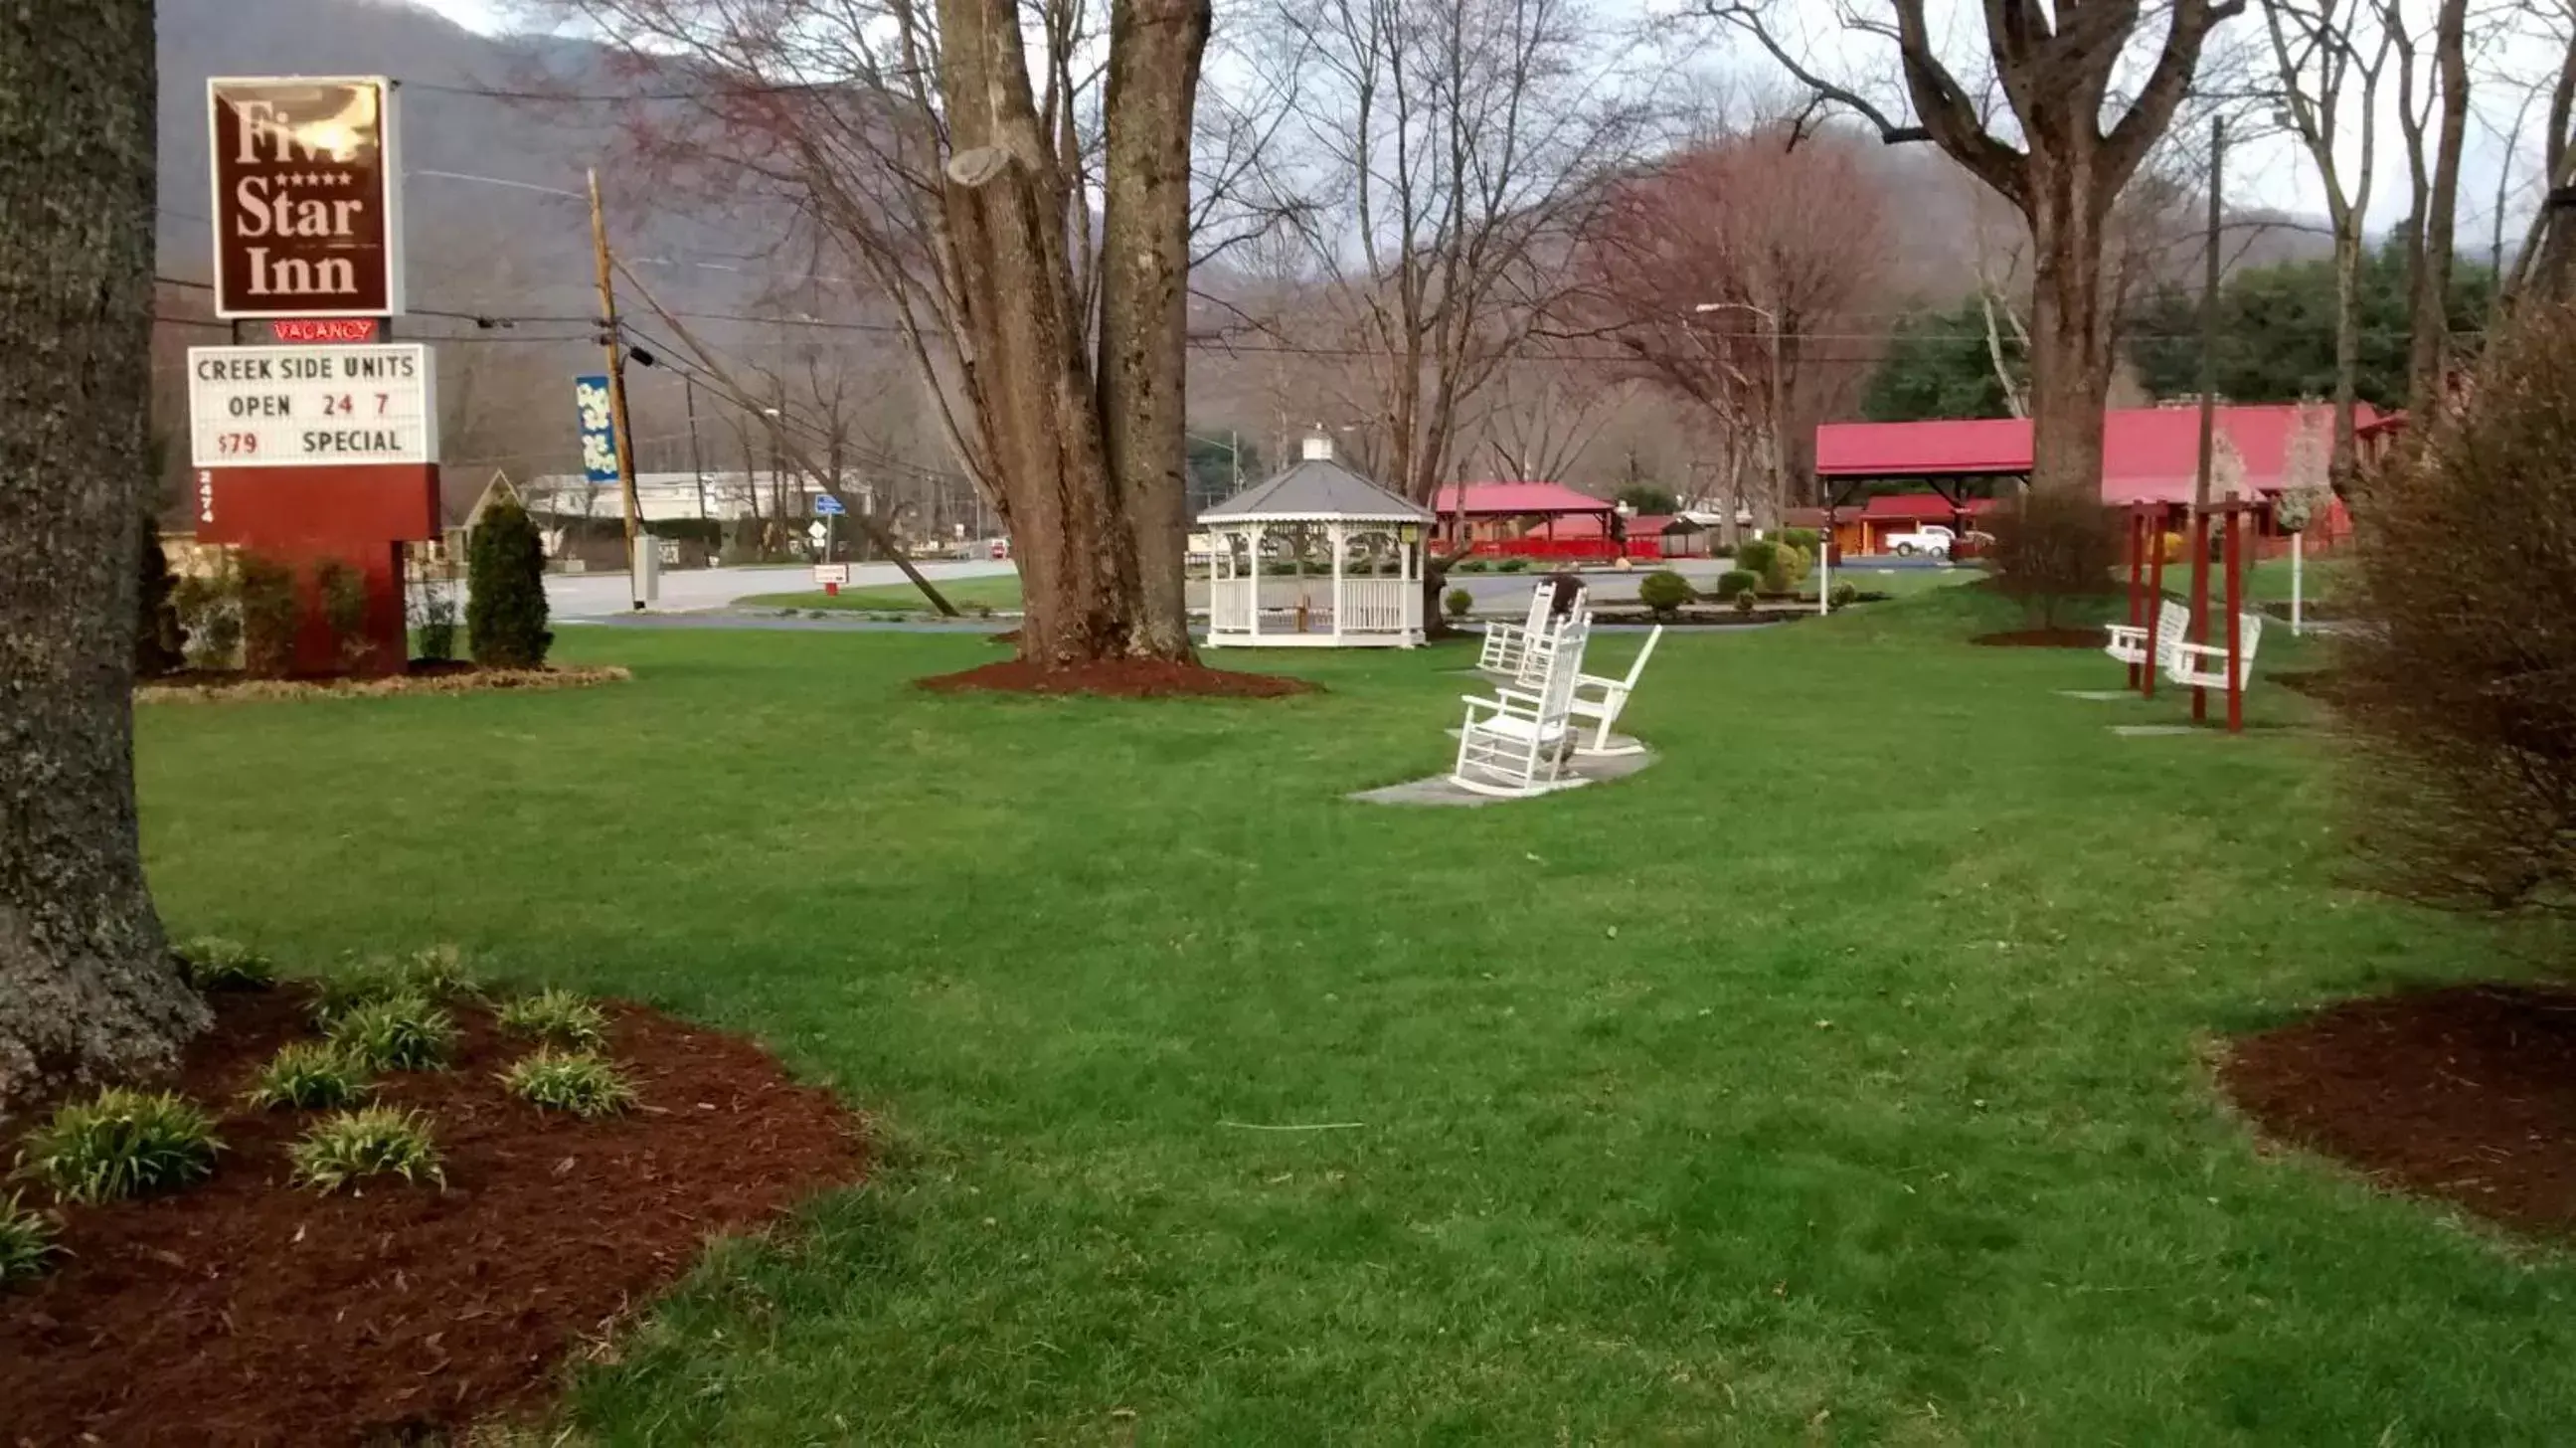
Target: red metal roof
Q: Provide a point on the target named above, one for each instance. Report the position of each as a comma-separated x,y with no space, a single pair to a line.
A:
1507,499
2149,454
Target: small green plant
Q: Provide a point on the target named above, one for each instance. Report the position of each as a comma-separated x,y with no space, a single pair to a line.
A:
1458,601
120,1143
369,981
1664,591
344,1148
26,1241
578,1082
1746,600
213,963
209,607
343,590
555,1015
269,616
307,1074
1468,565
1757,556
1512,565
439,972
398,1033
1802,539
1737,580
1844,595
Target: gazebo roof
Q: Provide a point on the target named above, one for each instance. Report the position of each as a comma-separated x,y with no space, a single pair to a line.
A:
1317,490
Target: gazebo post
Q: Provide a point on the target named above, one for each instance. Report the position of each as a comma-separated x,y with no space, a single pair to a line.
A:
1333,539
1252,614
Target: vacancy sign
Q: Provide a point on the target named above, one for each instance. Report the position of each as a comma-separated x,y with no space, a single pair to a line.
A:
287,407
307,197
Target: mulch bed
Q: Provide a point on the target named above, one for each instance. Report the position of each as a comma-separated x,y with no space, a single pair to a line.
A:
2042,638
2467,1094
1119,679
445,677
245,1310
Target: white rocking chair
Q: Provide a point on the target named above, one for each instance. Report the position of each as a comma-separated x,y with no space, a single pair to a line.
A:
2204,666
2128,642
1505,653
1600,700
1514,744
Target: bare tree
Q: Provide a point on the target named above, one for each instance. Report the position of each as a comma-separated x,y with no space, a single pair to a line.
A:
1711,270
1027,232
1442,155
2070,152
2433,168
2328,56
87,989
2545,267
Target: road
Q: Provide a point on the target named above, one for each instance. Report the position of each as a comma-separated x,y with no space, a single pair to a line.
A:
579,596
603,595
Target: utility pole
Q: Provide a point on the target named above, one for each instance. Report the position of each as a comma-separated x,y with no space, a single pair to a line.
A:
2200,483
609,339
689,390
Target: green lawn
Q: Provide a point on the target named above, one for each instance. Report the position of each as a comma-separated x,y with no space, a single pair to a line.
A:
999,591
1838,1079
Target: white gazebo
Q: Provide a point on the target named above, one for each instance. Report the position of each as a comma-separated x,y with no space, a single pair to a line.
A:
1317,557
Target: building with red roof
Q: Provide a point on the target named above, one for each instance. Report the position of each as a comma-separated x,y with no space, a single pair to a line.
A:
1956,467
1524,520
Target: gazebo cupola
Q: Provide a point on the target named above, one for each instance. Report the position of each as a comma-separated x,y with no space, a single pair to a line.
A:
1315,557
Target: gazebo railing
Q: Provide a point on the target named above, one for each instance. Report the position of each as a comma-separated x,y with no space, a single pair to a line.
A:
1375,605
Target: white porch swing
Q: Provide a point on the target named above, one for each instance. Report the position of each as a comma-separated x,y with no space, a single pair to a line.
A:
1265,538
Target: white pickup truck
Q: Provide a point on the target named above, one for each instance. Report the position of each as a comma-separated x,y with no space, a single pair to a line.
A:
1931,538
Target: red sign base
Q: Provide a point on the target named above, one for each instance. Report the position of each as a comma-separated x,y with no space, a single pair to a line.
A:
303,516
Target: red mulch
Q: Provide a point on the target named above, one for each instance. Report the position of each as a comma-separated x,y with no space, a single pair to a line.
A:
2042,638
2466,1093
1120,679
245,1310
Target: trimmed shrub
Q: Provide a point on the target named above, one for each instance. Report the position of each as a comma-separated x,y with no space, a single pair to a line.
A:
1664,591
557,1016
2462,691
2051,548
1746,601
1844,595
26,1241
1757,556
307,1074
434,620
120,1143
1788,568
398,1033
211,962
209,608
505,605
1803,539
269,616
1468,565
344,1149
1737,580
577,1082
343,590
1512,565
1458,601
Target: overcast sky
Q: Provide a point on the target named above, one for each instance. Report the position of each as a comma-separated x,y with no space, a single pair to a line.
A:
2269,173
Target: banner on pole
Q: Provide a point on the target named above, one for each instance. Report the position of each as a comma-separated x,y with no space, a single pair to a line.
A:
598,428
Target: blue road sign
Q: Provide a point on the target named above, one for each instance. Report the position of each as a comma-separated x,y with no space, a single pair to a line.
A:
827,506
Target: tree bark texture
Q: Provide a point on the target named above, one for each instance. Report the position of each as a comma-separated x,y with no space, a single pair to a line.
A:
87,989
1092,505
2428,347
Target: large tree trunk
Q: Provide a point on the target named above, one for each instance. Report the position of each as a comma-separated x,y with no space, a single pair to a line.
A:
2428,290
86,985
1154,52
2345,456
2070,330
1076,520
